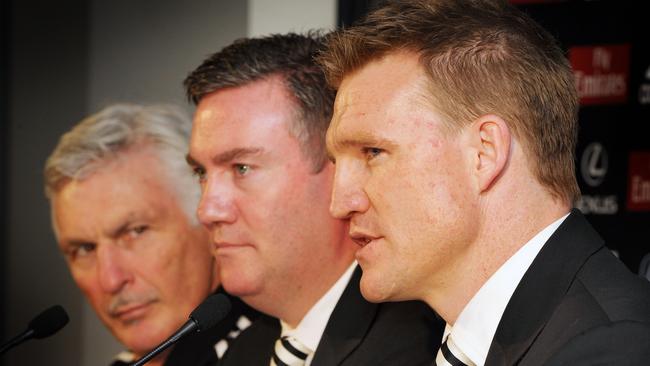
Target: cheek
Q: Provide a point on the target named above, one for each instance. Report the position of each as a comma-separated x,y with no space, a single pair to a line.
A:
187,261
90,287
399,199
278,206
262,202
424,194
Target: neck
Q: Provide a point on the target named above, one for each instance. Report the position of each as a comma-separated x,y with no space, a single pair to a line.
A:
320,272
314,292
503,229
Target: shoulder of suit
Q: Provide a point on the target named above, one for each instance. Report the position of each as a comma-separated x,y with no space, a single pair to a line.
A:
620,294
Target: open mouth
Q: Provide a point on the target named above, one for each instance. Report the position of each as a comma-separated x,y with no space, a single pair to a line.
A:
362,239
362,242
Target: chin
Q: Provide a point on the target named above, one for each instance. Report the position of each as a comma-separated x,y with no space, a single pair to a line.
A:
239,286
143,342
374,291
144,336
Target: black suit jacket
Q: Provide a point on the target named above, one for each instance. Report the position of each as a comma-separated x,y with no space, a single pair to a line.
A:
358,333
576,305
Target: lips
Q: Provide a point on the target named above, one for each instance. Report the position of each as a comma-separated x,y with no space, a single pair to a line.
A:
361,238
225,245
223,248
132,311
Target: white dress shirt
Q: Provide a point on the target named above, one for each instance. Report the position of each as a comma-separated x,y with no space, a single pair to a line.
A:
477,323
310,330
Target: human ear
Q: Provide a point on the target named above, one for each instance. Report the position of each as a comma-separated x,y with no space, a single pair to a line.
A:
491,138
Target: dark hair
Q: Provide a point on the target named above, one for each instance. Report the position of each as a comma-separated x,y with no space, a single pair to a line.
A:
289,55
481,57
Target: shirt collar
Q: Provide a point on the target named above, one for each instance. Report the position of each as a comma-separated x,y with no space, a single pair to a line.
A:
125,357
310,329
478,322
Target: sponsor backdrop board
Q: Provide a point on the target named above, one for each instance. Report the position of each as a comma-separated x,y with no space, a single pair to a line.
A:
608,46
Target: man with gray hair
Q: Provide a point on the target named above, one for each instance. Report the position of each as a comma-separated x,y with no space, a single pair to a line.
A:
122,202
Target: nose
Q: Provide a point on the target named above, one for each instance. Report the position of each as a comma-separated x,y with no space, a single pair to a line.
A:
112,268
217,204
348,195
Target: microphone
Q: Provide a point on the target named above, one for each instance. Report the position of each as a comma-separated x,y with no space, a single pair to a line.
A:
210,312
43,325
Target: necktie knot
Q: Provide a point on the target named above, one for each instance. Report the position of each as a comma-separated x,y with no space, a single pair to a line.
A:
289,351
450,355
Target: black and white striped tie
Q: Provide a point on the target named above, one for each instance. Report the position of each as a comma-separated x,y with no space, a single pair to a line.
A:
289,352
450,355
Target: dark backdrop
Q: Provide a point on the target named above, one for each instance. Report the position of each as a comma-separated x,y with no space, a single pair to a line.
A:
610,52
4,115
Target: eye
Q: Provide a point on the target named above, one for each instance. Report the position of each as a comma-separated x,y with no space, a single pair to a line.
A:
81,251
371,152
136,231
331,158
85,249
242,169
199,173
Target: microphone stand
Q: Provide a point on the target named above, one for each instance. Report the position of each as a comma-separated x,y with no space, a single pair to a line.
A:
187,327
29,333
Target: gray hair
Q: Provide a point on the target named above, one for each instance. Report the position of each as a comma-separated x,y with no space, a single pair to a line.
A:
104,136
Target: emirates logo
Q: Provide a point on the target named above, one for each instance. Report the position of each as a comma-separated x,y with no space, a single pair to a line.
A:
601,73
638,192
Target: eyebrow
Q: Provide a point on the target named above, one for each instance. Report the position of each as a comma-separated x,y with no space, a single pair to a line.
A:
228,156
114,232
364,140
191,161
68,244
117,232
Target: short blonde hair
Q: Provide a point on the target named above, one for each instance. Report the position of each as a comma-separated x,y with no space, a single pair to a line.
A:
482,57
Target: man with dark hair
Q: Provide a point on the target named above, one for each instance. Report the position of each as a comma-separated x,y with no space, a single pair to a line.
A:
257,148
453,133
123,203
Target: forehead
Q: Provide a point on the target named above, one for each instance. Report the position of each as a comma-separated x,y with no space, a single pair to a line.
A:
132,185
385,97
230,117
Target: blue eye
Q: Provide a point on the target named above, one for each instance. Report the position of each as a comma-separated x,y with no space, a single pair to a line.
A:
371,152
242,169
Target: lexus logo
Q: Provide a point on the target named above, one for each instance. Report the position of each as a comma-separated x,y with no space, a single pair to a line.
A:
593,165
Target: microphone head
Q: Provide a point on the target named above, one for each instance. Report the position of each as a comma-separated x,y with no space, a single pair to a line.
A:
211,311
49,322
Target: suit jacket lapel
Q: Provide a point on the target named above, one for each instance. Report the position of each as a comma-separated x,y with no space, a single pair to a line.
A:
347,325
542,288
254,346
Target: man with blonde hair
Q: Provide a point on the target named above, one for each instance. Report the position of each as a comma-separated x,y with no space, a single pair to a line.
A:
453,134
123,204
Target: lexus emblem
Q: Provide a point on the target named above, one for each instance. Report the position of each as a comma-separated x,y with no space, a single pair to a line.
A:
593,165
